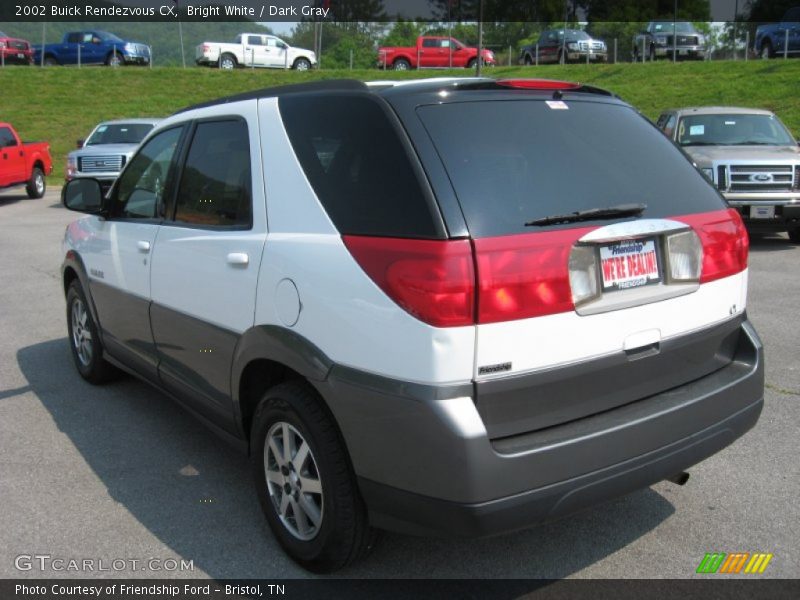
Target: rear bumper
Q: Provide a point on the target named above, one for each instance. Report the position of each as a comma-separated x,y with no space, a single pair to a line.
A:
426,466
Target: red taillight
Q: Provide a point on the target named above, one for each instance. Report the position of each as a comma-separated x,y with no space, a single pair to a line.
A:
725,242
538,84
522,276
433,280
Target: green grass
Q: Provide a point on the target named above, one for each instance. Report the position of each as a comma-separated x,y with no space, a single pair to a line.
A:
61,105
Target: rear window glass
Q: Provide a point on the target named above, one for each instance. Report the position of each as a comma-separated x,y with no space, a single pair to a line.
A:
515,161
358,166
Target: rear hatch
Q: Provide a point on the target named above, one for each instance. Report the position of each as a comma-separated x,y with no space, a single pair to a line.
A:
578,312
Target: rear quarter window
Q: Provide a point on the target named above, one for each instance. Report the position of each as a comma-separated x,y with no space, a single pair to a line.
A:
358,166
513,161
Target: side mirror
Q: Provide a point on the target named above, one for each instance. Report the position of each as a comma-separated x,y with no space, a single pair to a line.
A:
79,144
83,195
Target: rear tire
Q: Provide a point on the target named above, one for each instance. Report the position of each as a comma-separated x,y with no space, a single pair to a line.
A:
49,61
84,340
312,504
528,60
37,185
227,62
401,64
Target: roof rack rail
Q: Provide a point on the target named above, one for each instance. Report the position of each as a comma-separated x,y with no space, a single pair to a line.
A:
325,85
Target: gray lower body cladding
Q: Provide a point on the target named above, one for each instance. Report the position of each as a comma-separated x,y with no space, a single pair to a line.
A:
425,468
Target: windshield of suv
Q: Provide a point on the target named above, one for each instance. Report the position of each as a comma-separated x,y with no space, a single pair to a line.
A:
733,130
522,160
119,133
666,27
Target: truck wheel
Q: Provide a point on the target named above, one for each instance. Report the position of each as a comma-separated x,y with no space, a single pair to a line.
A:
794,235
115,59
401,64
472,62
301,64
84,341
304,480
227,62
652,57
528,60
766,50
36,184
49,61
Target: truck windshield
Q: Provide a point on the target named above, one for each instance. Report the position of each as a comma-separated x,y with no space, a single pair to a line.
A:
109,37
733,130
514,161
122,133
666,27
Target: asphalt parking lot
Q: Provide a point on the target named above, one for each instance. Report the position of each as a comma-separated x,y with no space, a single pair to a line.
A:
120,472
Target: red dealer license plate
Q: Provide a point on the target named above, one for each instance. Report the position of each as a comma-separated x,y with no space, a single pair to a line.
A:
629,264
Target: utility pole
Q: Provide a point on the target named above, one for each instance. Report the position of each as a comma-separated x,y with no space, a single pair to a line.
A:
675,33
480,40
180,33
735,38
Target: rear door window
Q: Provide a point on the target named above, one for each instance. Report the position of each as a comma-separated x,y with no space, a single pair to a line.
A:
513,161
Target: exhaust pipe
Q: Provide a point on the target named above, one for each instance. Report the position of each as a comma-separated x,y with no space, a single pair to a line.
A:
679,478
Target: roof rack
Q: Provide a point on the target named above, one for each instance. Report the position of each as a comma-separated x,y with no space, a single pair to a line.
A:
325,85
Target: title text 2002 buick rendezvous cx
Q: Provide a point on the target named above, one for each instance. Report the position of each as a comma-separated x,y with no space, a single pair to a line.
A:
442,307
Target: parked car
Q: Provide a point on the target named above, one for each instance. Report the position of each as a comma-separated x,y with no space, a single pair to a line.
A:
23,163
771,39
432,51
444,330
560,46
93,47
254,50
15,50
749,155
107,149
657,41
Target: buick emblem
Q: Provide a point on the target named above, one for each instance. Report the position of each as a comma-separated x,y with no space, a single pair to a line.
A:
761,177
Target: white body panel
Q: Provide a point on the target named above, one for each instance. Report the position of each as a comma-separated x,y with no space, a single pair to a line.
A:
556,340
259,55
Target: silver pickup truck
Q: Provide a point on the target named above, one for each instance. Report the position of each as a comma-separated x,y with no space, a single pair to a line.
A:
109,146
750,156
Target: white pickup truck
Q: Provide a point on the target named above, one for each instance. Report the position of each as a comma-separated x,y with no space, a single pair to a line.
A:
254,50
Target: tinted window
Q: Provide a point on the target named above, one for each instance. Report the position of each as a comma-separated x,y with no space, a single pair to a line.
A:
74,38
430,43
143,185
357,165
125,133
255,40
521,160
215,185
6,138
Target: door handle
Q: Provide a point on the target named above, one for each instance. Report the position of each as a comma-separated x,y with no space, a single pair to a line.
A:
238,259
143,246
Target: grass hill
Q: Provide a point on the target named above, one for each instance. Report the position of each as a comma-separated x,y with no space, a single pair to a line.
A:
62,104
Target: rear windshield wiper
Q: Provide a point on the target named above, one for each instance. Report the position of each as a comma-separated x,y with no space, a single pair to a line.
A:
620,210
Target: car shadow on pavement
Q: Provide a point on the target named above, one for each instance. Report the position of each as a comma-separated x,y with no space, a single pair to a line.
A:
193,492
7,199
770,243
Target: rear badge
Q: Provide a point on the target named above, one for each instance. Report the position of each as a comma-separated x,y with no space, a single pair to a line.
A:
499,368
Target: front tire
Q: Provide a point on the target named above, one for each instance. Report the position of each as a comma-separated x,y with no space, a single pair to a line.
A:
87,350
115,59
766,51
301,64
37,185
49,61
794,235
304,481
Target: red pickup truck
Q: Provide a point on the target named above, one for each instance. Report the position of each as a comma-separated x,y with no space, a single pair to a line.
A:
432,51
23,163
15,51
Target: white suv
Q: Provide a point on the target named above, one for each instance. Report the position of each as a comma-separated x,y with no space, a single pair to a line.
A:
456,306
